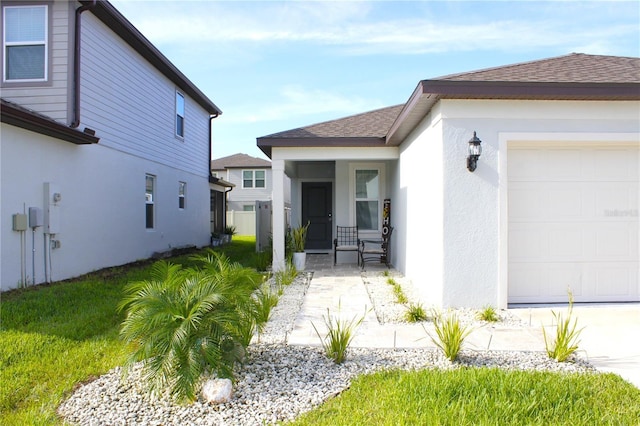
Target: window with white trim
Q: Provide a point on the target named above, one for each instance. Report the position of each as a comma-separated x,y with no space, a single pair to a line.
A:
367,199
182,190
254,179
248,208
179,114
25,43
150,183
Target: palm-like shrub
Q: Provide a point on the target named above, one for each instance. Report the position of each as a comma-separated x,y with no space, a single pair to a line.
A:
183,323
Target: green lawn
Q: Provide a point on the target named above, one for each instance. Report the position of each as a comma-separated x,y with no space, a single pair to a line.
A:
484,396
54,337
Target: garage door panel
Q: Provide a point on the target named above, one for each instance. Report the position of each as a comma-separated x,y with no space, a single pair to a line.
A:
566,242
614,281
526,281
617,164
573,223
615,200
615,241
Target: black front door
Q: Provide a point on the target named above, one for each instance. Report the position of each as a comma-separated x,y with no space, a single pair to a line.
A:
316,209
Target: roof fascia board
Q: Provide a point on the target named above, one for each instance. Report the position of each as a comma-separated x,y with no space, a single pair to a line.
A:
532,90
35,123
265,144
112,18
320,141
221,182
428,92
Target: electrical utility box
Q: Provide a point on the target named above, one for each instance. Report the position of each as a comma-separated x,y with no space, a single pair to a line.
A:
20,222
52,199
35,217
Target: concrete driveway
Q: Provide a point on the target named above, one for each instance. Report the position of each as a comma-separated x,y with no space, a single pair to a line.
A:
610,338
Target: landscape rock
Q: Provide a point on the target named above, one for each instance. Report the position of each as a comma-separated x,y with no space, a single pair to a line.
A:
217,391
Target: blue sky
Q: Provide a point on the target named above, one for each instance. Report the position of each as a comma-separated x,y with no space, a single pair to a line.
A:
277,65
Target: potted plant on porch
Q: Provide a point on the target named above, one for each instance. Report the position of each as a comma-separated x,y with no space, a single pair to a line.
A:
299,239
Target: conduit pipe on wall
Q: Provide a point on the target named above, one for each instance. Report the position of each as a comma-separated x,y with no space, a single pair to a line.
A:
76,65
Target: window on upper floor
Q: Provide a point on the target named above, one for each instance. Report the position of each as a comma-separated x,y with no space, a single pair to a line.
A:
179,114
248,208
150,183
182,191
253,179
25,43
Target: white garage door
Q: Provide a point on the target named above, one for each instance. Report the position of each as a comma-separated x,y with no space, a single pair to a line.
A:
574,223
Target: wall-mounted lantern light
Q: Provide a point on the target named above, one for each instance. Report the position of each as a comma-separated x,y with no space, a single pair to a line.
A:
474,152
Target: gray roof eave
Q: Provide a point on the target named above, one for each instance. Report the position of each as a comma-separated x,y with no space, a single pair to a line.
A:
18,116
267,143
428,92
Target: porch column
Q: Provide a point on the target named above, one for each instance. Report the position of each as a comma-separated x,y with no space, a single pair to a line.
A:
277,170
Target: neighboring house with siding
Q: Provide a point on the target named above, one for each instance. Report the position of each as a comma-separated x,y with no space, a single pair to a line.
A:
251,177
103,137
552,205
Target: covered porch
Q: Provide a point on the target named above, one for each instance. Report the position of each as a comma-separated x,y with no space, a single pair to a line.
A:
330,188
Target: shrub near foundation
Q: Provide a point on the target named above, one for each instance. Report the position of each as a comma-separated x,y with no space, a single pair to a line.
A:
566,341
185,323
450,335
339,336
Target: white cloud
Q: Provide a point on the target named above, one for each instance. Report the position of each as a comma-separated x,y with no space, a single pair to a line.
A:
296,101
354,27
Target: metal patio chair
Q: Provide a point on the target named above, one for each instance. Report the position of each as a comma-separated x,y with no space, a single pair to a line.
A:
346,240
376,250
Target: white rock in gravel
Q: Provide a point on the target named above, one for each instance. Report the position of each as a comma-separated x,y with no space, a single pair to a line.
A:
217,391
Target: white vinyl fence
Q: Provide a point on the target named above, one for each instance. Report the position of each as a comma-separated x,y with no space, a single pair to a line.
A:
245,222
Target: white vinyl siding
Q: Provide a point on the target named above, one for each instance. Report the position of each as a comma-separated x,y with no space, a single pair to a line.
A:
48,96
240,196
136,114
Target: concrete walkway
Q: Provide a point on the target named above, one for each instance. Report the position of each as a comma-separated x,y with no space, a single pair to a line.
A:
610,339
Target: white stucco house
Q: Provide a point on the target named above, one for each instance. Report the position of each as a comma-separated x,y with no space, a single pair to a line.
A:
552,204
105,144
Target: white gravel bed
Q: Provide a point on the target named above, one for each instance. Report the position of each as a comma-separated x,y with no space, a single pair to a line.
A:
278,382
388,310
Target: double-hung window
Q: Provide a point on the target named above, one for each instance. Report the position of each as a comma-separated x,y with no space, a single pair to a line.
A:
367,198
25,43
179,114
253,179
150,183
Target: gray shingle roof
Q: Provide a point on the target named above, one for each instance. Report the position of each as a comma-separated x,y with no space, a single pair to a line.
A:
374,124
239,161
575,76
572,68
